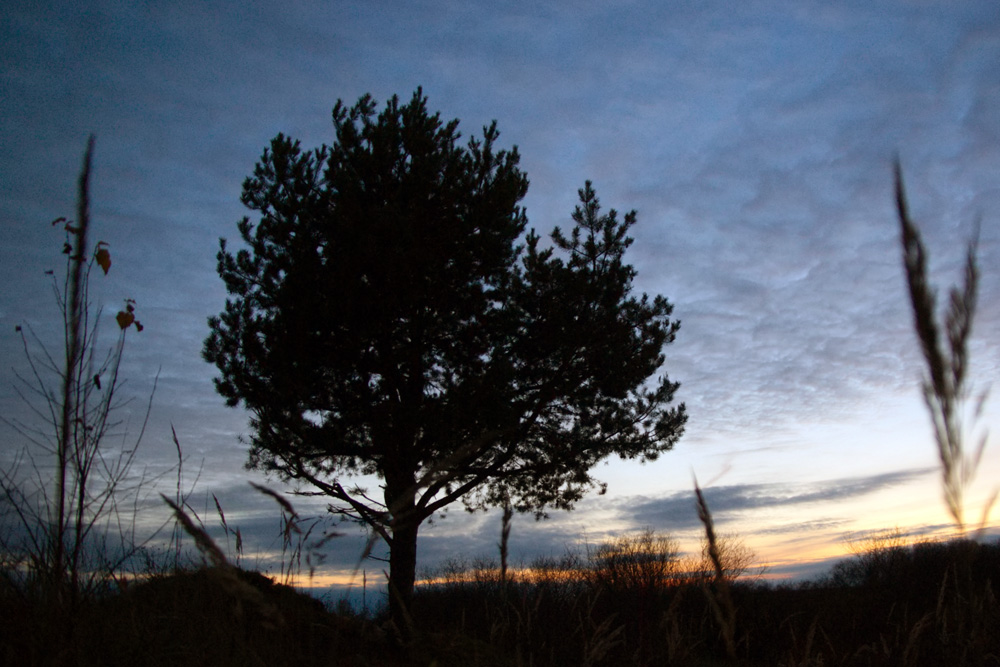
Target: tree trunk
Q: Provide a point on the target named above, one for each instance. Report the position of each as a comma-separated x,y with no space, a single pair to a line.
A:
402,575
400,487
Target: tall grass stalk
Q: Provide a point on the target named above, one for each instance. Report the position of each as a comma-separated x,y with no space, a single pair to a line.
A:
944,384
295,535
719,596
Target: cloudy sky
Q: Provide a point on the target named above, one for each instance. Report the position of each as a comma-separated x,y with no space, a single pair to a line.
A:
754,139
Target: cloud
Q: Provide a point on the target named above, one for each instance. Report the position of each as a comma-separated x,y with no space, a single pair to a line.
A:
812,526
677,511
802,570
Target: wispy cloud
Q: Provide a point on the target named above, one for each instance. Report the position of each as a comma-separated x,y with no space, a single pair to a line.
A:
676,511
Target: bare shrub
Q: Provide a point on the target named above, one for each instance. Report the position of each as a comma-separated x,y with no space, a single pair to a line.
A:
637,561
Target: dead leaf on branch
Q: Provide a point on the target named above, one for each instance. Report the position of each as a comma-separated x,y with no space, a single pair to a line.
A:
124,319
103,257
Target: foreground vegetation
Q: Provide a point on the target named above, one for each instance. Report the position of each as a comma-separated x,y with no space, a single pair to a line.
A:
925,604
928,604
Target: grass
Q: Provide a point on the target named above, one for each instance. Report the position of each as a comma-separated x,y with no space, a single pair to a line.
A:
209,616
936,606
945,349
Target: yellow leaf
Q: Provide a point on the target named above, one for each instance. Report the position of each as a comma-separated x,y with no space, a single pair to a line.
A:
103,259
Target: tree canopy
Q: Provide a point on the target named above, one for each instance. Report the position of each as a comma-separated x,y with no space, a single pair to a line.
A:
391,315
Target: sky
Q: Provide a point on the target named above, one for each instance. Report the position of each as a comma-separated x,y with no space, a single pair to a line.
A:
755,140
